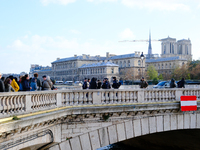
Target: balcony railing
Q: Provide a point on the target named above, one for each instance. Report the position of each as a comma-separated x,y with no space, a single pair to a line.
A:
26,102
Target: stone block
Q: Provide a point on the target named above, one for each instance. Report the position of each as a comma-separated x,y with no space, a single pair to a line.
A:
198,120
85,142
159,123
65,145
137,127
121,132
180,121
129,129
106,124
71,126
55,147
94,139
76,130
64,126
186,124
152,124
173,122
193,121
167,122
145,126
103,134
75,143
112,134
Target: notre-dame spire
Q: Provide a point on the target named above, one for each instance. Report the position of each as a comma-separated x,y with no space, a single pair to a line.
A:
149,48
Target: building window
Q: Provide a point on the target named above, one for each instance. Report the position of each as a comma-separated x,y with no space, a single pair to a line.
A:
116,62
139,63
112,70
129,63
164,49
180,49
186,49
124,63
120,64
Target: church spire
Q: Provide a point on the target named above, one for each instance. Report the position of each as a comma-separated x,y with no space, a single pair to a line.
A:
149,48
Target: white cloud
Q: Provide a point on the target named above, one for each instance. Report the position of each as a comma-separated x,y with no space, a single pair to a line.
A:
126,34
156,4
62,2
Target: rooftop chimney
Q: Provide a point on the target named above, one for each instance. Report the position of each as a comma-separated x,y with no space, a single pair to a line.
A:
107,54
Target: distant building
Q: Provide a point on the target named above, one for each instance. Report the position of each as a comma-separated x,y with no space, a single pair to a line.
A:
173,53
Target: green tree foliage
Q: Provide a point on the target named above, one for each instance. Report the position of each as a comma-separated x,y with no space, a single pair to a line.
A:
181,72
152,74
160,77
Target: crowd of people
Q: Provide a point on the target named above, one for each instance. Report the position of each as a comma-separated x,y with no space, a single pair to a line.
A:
12,84
97,84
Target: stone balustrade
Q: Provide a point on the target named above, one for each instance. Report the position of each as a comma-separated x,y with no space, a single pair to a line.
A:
25,102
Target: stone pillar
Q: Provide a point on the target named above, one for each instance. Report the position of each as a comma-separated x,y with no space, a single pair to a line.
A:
179,93
58,100
141,96
96,96
28,103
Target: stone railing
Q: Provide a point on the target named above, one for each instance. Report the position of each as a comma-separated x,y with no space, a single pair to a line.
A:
26,102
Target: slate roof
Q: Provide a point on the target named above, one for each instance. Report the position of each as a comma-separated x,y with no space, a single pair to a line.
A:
163,59
122,56
99,65
79,58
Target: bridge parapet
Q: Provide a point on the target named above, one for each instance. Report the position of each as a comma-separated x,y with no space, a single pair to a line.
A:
26,102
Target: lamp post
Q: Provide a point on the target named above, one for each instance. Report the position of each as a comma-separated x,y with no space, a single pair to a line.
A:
142,58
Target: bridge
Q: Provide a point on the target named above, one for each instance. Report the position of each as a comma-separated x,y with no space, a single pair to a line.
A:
90,119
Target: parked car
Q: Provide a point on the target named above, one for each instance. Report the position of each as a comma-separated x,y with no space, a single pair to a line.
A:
78,83
69,82
164,84
58,82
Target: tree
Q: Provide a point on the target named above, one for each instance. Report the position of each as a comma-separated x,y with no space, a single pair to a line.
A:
181,72
152,74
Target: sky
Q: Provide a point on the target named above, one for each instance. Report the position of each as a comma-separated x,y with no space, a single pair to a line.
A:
40,31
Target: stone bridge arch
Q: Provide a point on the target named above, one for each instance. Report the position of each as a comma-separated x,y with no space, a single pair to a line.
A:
129,129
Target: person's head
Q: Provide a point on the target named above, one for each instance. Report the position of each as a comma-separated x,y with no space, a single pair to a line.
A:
26,76
7,81
114,78
16,79
85,79
11,77
182,79
35,75
88,80
142,78
48,78
3,79
44,77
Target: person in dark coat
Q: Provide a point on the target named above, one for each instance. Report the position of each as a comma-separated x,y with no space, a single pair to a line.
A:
25,83
115,84
93,83
143,83
106,84
84,86
172,83
39,84
2,87
98,84
181,84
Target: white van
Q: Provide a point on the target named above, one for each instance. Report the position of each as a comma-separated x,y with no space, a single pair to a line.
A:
58,82
69,82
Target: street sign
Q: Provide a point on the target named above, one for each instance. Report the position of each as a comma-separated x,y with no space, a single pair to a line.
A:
188,103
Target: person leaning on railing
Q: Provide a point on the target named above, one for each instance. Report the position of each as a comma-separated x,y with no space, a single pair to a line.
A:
143,83
2,87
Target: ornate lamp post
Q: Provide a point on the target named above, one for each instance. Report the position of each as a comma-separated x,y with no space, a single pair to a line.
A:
142,58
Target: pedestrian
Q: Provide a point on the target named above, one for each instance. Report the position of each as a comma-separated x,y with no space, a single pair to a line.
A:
115,84
84,86
25,83
181,83
106,84
14,83
172,83
39,84
33,84
98,84
20,83
93,83
8,87
2,87
143,83
46,84
88,84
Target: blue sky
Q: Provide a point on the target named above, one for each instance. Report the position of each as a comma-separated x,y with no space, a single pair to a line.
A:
39,31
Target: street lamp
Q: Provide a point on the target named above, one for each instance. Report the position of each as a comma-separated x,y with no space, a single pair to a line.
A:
142,58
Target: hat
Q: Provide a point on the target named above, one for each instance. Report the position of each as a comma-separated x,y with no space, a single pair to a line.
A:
44,76
142,77
114,77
